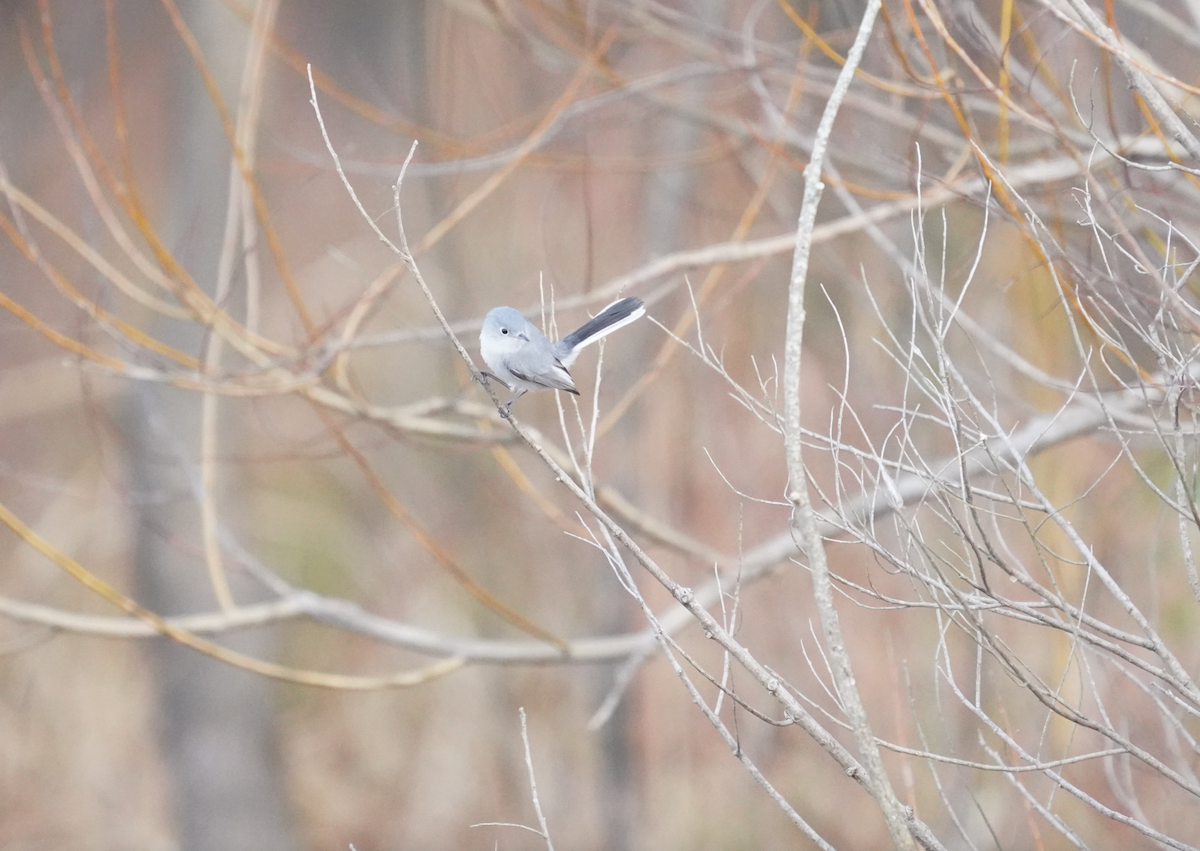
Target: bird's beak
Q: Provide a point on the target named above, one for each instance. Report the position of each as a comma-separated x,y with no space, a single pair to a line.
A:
523,337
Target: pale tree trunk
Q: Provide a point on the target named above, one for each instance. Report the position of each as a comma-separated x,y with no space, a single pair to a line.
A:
217,724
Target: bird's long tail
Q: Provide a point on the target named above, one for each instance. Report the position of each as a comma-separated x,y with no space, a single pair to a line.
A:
617,315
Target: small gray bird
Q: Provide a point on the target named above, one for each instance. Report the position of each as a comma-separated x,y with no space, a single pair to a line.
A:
522,359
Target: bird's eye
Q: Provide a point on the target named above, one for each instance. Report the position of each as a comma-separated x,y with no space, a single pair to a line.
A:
503,330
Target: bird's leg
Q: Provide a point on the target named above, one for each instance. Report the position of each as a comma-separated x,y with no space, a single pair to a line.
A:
507,409
483,375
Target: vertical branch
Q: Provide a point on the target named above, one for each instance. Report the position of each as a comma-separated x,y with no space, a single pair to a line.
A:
804,522
537,805
249,112
237,206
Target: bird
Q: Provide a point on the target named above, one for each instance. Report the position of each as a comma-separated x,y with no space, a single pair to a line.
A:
522,359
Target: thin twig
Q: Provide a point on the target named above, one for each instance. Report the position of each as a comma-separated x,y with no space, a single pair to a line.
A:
533,793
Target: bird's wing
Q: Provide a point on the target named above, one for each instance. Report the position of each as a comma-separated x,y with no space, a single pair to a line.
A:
555,378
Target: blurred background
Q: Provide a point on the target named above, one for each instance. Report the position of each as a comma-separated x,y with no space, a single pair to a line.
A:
225,398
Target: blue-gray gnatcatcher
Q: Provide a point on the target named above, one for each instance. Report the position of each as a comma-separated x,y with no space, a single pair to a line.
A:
522,359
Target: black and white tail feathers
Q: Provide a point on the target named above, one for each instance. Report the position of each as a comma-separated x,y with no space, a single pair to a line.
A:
617,315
